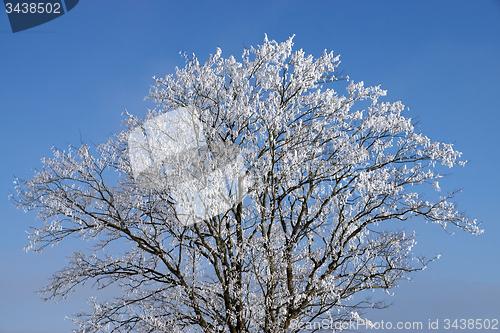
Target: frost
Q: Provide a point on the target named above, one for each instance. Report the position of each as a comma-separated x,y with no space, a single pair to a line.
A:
253,197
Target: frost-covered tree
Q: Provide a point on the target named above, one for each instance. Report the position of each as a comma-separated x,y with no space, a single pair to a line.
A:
304,237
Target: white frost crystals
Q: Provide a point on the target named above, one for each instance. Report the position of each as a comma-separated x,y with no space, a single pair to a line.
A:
170,152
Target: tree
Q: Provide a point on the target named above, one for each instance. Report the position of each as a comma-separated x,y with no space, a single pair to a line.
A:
320,180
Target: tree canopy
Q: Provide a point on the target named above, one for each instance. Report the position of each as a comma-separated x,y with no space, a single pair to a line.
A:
322,173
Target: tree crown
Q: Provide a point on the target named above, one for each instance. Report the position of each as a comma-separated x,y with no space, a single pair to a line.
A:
298,243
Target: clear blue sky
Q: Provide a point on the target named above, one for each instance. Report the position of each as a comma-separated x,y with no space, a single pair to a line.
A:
74,76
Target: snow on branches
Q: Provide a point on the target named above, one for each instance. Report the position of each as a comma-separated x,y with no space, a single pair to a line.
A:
320,173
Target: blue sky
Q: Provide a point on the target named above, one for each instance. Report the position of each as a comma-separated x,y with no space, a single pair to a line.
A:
72,78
